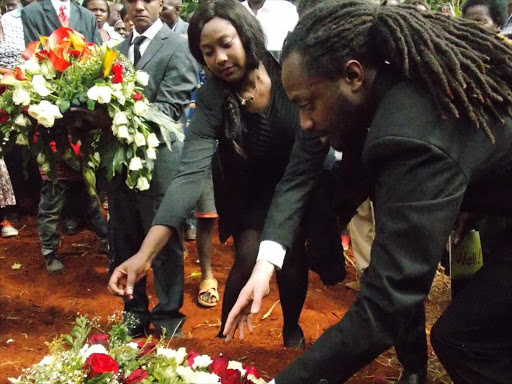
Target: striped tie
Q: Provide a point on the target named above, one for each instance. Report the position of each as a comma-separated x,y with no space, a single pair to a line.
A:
63,18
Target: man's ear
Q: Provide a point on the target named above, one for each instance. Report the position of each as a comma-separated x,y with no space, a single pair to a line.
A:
354,74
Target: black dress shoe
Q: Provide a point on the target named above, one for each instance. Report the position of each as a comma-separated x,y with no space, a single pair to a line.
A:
413,377
294,339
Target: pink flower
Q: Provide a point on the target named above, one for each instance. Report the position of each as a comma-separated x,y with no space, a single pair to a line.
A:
98,338
219,365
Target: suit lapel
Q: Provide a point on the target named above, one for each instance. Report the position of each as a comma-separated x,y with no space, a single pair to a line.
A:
75,17
154,46
124,46
51,14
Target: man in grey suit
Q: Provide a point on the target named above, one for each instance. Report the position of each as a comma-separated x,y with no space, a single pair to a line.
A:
171,15
165,56
42,18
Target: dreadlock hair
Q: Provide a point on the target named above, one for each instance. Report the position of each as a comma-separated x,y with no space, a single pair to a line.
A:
497,9
246,25
465,68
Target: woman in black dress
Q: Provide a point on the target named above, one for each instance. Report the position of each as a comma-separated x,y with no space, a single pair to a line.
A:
242,107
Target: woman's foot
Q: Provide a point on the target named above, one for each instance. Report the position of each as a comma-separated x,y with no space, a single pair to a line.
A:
294,338
8,230
208,294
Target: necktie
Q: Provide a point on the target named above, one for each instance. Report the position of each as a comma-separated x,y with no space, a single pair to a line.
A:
63,18
136,48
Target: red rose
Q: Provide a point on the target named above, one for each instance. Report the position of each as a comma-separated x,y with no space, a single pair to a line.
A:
90,44
53,146
34,139
251,370
117,70
231,376
219,365
3,88
146,348
191,356
136,377
98,338
25,109
75,54
4,116
137,96
99,363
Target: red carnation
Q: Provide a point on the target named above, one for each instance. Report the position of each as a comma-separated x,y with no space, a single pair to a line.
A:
137,96
136,377
99,338
219,365
250,370
99,363
4,116
231,376
117,70
53,146
146,348
191,356
75,54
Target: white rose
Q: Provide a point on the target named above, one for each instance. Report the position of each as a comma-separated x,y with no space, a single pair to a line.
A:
116,87
142,78
202,361
45,113
20,96
120,119
206,378
135,164
151,153
142,183
45,167
119,97
122,132
47,360
133,345
104,95
39,84
153,141
170,373
186,373
21,139
22,121
140,108
47,69
95,348
93,93
139,139
30,66
41,158
237,365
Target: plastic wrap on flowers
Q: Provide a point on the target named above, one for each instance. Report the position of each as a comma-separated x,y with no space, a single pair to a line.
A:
84,356
69,93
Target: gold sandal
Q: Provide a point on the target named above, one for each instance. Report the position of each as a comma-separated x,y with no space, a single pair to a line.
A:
208,286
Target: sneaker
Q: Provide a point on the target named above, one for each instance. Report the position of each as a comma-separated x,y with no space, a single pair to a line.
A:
53,264
8,230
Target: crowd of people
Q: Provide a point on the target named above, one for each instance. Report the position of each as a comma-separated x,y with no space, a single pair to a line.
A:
392,120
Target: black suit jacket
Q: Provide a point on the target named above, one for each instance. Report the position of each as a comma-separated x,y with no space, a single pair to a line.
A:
40,19
423,169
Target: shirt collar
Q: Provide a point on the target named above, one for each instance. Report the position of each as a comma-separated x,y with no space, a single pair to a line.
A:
149,33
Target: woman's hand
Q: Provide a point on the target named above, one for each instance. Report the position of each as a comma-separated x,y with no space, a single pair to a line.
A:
249,300
127,274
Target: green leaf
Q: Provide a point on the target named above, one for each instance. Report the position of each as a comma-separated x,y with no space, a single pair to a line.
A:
119,160
91,104
63,105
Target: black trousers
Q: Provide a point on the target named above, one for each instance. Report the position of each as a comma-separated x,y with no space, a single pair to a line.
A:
472,338
131,215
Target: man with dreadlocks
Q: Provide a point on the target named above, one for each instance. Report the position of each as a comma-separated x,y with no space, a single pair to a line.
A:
424,101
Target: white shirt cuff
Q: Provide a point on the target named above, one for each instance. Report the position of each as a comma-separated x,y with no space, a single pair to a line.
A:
272,252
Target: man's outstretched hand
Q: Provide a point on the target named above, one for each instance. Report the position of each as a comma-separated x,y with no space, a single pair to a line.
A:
249,300
127,274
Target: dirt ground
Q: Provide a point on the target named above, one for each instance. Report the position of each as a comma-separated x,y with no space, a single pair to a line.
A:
35,307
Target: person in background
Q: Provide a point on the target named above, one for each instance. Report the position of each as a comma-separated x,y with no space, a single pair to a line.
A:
164,55
7,200
171,15
101,12
491,14
277,18
128,24
115,13
120,28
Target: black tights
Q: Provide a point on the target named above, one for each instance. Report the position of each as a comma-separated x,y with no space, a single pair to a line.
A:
292,281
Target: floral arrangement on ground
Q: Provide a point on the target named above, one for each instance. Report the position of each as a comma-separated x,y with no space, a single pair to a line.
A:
76,103
111,357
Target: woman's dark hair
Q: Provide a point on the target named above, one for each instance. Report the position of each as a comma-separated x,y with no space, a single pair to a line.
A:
247,26
86,3
466,68
497,9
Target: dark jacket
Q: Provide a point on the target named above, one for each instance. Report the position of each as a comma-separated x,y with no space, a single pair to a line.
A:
423,169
